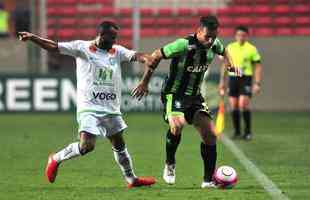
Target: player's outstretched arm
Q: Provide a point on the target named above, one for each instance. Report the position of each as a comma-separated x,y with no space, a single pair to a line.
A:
151,62
44,43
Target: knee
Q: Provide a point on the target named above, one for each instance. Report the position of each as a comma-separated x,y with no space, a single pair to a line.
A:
176,129
86,147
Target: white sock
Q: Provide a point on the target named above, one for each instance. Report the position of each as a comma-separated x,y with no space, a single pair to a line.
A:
124,161
71,151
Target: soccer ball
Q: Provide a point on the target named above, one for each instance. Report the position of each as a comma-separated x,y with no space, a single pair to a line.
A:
225,177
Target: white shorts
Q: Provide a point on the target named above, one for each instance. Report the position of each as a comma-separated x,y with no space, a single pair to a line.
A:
101,126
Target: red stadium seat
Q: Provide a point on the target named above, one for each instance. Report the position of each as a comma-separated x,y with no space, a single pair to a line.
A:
302,31
147,32
301,9
224,32
302,21
51,22
203,11
50,33
282,9
183,32
187,22
67,21
284,31
165,22
89,21
66,33
241,10
126,33
263,21
185,12
87,33
243,21
125,12
147,12
165,12
107,12
262,10
148,21
226,21
283,21
125,22
162,32
223,12
263,32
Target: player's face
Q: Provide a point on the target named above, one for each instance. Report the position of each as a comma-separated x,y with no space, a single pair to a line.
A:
107,38
206,36
241,36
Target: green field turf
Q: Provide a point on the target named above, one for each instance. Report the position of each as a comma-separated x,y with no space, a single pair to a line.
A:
280,149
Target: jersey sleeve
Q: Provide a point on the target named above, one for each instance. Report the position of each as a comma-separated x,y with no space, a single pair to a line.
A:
256,57
218,47
174,48
69,48
126,55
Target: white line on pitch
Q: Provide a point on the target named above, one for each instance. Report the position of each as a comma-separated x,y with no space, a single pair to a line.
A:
261,178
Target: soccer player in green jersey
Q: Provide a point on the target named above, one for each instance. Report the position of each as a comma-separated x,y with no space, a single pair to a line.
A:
183,103
244,55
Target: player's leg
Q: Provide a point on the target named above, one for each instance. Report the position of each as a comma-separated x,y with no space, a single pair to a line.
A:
88,129
245,106
115,127
203,123
234,105
175,117
86,145
173,138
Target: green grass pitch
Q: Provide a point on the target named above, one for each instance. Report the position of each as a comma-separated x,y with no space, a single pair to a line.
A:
281,149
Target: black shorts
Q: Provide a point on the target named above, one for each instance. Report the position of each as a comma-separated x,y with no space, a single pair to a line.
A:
185,106
240,86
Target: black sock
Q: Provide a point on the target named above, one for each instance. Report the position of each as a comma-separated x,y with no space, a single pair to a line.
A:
235,114
247,121
172,143
208,154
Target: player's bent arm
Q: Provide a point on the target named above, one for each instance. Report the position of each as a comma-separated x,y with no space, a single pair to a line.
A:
44,43
151,64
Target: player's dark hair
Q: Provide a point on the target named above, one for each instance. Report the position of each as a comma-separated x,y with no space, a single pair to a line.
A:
242,28
106,25
209,21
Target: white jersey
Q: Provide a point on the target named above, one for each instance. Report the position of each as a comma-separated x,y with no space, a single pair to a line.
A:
98,75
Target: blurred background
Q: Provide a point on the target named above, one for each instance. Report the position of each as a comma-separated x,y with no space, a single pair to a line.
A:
32,79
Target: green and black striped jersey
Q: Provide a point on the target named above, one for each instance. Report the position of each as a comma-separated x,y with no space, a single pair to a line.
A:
190,60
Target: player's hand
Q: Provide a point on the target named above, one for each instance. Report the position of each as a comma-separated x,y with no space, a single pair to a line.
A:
236,70
222,90
140,91
256,89
25,36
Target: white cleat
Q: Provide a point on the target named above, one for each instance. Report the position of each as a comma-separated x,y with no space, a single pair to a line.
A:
169,174
210,184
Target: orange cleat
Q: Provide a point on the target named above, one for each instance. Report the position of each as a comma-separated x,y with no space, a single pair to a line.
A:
51,169
142,181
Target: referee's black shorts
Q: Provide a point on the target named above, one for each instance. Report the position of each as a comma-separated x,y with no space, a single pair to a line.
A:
240,86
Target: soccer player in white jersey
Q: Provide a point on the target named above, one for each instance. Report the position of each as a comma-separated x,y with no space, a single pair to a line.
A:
98,74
